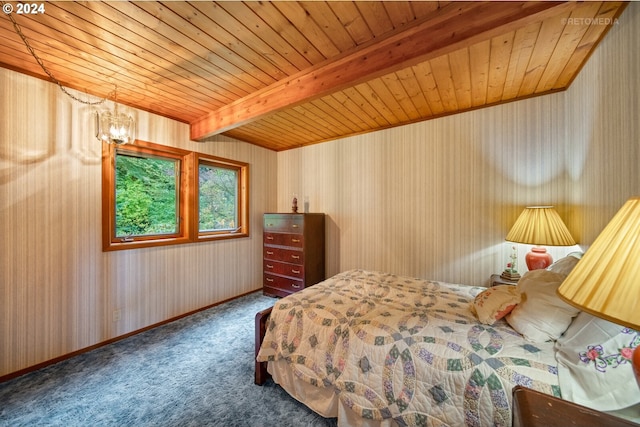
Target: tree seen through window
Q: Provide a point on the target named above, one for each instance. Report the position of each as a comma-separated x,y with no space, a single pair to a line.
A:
218,192
146,195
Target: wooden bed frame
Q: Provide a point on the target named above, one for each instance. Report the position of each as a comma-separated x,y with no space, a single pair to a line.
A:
261,374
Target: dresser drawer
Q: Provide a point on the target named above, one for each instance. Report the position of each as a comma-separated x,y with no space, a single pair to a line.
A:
293,252
284,239
283,283
285,255
291,270
284,223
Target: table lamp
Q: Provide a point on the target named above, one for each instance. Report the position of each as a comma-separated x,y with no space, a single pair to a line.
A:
606,281
540,225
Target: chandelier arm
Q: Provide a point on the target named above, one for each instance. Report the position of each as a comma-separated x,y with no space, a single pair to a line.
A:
39,61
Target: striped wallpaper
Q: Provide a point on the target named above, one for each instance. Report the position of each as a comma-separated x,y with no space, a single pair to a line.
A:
58,290
433,199
436,199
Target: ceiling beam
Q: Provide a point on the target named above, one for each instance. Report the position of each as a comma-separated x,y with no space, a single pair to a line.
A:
450,28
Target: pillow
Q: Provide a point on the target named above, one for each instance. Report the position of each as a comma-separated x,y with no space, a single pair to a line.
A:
494,303
541,315
565,265
594,366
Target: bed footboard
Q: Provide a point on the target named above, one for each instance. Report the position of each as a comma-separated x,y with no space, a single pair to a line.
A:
261,374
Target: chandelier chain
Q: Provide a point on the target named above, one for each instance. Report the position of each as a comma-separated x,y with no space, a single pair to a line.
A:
39,61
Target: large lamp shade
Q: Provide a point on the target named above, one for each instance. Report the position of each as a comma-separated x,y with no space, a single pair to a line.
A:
606,281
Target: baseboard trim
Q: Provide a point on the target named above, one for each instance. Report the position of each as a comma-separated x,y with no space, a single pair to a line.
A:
55,360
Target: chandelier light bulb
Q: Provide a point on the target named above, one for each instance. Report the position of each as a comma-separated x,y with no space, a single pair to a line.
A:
115,128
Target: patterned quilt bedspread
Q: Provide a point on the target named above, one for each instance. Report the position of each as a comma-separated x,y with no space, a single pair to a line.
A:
406,349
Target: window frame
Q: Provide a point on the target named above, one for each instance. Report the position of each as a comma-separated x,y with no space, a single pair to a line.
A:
188,194
242,170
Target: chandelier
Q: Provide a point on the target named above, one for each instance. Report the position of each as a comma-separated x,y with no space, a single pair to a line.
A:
111,127
114,127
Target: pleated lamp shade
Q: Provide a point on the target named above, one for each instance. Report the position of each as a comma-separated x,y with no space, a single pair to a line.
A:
540,225
606,281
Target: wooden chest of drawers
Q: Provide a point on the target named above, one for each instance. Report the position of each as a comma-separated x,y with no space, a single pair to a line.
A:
293,252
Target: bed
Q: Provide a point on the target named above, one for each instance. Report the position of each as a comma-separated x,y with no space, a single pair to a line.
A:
378,349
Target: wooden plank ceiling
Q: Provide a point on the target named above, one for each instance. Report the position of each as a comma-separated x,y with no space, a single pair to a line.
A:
284,74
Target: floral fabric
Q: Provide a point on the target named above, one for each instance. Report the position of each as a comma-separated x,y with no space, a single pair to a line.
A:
602,361
404,349
494,303
594,364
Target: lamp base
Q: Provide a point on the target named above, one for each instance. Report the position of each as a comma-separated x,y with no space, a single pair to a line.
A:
538,258
635,362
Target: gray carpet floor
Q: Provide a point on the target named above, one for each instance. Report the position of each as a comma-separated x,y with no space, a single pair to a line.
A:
196,371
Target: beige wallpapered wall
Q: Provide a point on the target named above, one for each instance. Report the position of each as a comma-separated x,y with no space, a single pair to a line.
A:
433,200
58,290
436,199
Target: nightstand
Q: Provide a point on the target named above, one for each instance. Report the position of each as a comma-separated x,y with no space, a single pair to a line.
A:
535,409
497,279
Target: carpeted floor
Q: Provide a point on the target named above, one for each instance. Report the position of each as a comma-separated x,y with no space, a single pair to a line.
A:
197,371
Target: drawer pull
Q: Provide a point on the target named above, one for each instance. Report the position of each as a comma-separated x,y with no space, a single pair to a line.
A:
269,237
269,266
295,285
295,271
295,225
295,256
295,240
269,252
269,225
269,279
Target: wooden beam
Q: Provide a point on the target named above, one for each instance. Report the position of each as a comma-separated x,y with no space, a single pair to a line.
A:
456,25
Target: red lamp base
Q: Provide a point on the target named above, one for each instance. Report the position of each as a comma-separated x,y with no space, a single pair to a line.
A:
635,362
538,258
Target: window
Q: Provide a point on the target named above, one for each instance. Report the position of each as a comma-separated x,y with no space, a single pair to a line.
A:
155,195
147,195
221,183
